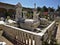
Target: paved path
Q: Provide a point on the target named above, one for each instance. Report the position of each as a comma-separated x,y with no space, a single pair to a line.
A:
3,39
58,33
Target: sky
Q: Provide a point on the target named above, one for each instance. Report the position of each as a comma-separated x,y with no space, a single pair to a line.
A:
30,3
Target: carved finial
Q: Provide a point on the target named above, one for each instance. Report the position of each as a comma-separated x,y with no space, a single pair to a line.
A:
18,4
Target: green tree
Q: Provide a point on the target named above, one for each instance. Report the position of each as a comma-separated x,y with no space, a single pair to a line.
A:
38,9
44,9
27,15
7,14
58,9
51,9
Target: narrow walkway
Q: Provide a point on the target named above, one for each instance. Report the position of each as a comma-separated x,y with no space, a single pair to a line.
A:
58,34
3,39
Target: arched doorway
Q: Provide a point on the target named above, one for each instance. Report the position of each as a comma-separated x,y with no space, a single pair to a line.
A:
2,12
12,13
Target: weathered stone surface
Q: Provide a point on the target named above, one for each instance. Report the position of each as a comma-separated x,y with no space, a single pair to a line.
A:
58,34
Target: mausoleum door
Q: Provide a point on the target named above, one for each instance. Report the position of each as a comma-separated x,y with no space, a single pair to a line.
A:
3,12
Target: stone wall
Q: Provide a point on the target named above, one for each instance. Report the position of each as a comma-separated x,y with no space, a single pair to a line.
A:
28,37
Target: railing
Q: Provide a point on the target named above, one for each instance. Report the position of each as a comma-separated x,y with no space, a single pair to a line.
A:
25,37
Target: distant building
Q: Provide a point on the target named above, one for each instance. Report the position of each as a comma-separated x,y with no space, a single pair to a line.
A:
4,8
10,8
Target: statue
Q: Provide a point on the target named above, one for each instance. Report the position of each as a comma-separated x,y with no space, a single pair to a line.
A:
18,11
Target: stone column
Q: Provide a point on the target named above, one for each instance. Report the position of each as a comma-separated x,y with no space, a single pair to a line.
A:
38,40
27,36
19,35
23,38
31,39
